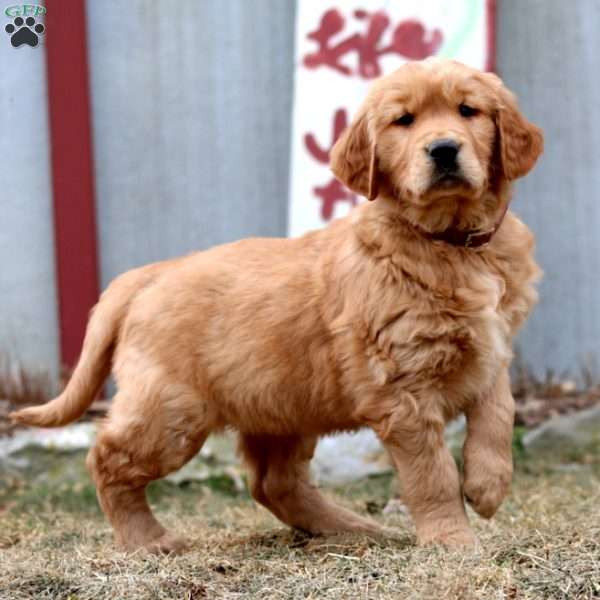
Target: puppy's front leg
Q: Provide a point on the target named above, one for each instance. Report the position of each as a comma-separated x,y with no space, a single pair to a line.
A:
487,451
430,480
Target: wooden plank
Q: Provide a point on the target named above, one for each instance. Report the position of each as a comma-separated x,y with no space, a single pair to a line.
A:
491,35
72,171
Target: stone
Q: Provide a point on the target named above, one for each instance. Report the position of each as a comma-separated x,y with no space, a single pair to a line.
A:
575,429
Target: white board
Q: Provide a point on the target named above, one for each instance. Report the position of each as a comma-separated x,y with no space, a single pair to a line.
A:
340,48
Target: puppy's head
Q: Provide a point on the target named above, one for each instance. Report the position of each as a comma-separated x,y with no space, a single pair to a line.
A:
436,133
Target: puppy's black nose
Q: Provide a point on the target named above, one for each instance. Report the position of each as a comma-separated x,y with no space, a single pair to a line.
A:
443,152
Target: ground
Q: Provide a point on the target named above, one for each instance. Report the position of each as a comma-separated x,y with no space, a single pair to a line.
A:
543,543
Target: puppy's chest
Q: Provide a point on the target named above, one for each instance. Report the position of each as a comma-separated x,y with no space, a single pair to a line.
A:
460,339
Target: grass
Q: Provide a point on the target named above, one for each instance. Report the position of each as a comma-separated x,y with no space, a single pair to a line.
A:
544,543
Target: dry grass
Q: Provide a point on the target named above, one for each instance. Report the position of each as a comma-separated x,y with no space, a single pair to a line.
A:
544,543
20,386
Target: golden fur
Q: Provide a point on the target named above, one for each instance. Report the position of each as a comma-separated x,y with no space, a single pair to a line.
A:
366,323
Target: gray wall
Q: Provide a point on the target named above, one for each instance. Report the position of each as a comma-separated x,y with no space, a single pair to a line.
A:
28,321
549,54
191,122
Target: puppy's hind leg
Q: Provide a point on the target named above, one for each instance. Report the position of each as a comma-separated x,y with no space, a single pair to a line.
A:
280,481
133,449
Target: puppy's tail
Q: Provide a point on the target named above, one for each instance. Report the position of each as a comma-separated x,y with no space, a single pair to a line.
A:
96,356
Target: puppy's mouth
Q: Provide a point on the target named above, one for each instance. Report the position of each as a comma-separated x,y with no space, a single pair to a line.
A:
447,180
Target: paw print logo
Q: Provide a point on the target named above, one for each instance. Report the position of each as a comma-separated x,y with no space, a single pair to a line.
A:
24,32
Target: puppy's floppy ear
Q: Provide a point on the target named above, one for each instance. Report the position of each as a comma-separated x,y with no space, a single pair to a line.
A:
521,142
354,159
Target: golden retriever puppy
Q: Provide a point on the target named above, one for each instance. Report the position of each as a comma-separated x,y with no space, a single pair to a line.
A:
398,317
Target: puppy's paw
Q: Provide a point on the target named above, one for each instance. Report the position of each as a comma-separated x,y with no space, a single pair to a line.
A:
486,485
449,538
166,543
169,544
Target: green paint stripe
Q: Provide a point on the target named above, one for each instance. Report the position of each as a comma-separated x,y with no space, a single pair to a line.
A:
474,8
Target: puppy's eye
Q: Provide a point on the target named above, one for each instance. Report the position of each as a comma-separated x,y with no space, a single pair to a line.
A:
405,120
467,111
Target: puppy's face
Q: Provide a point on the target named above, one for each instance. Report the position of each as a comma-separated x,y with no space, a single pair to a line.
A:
436,133
436,130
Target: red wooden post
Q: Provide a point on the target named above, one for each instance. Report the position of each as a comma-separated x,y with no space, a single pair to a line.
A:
72,171
491,35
